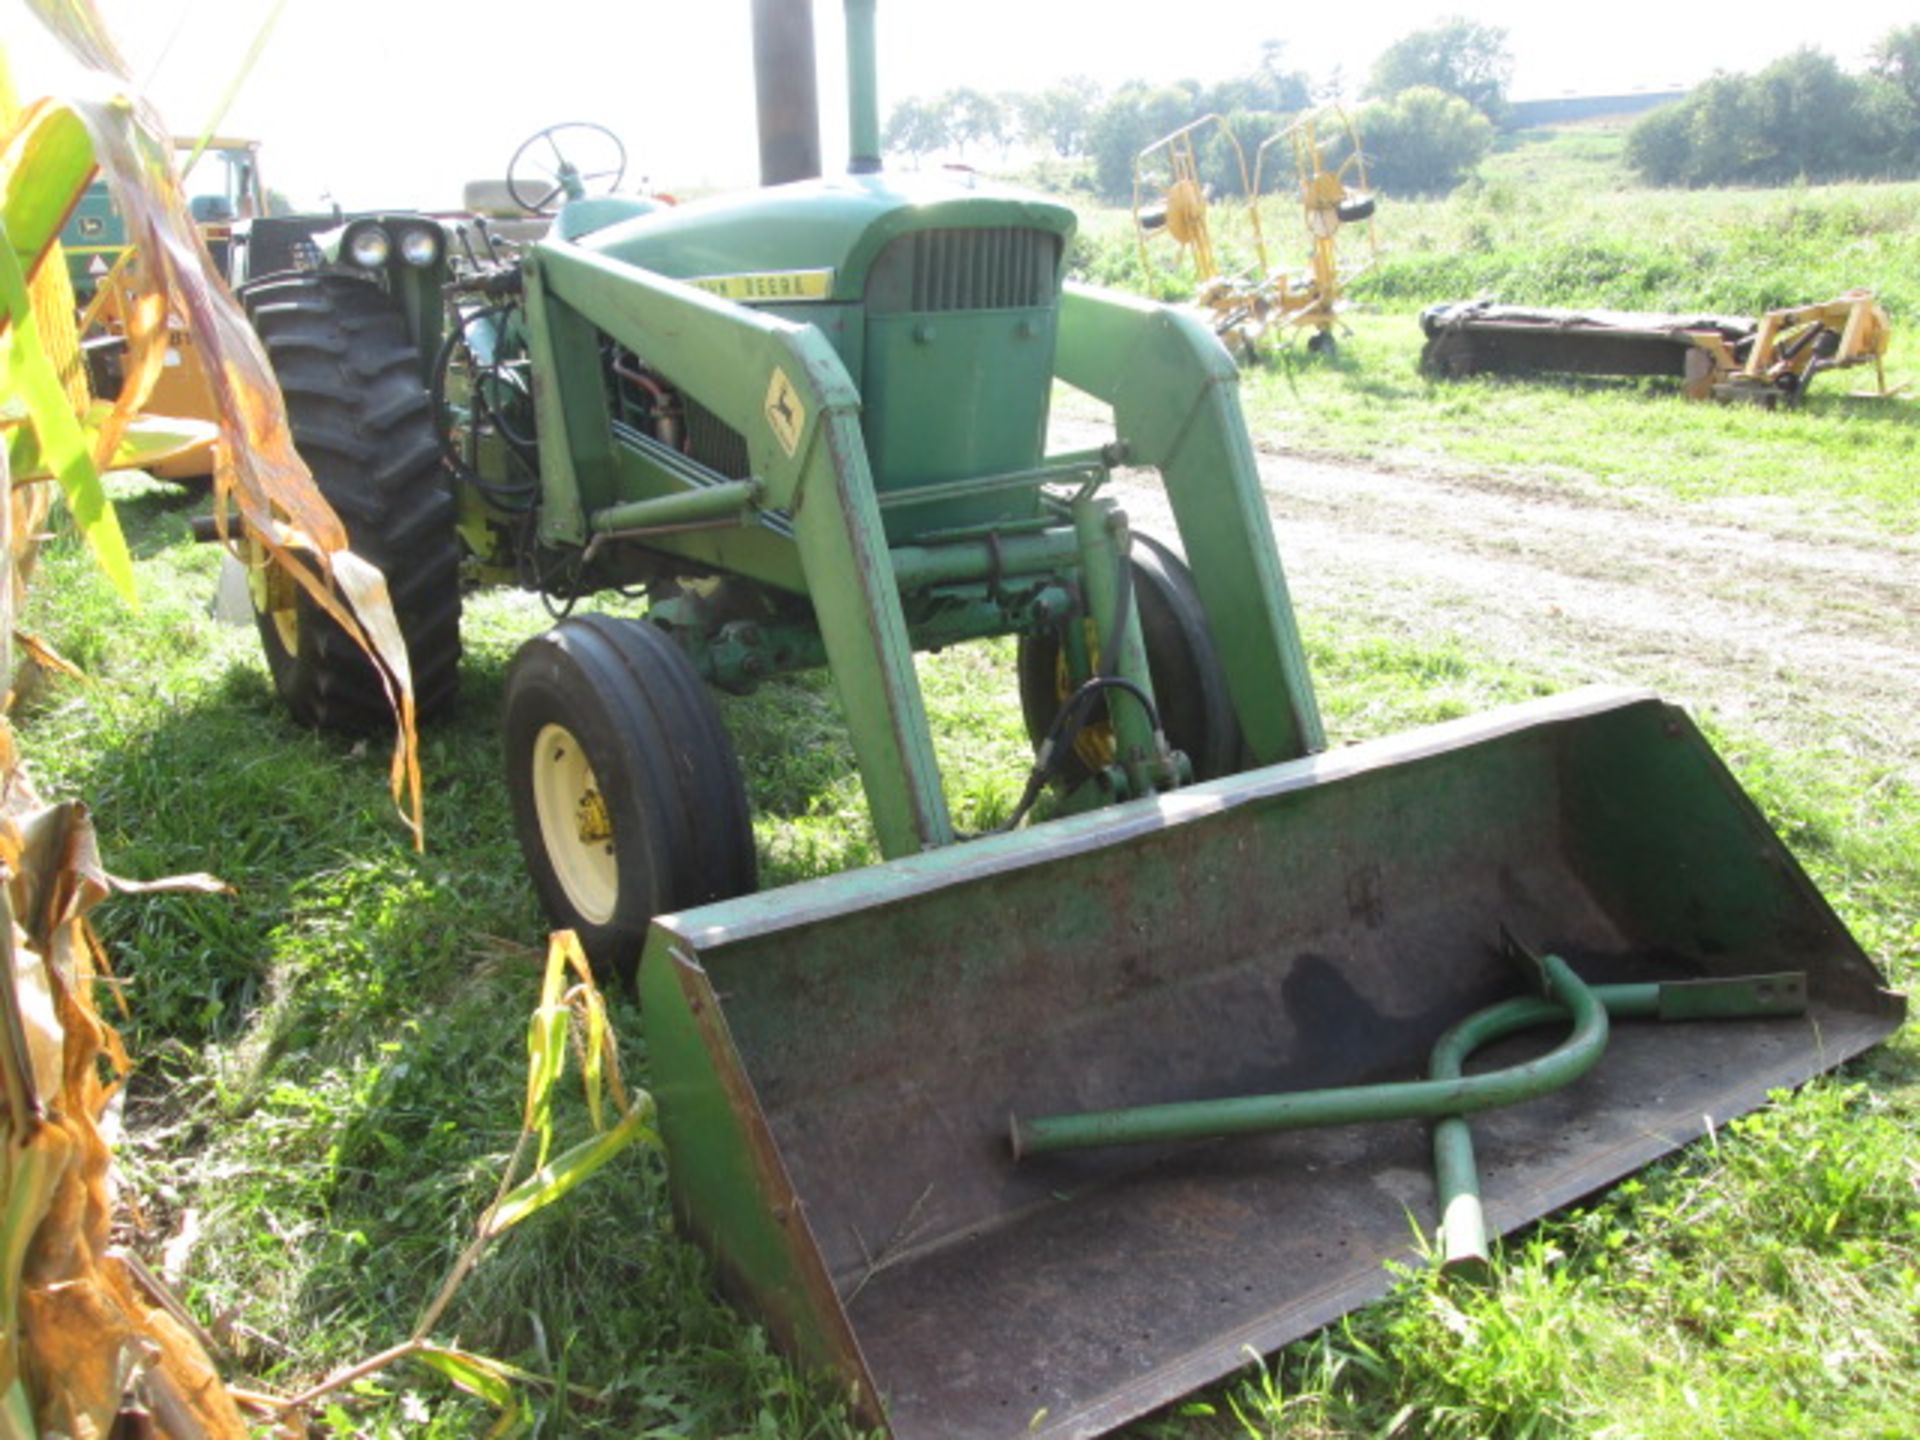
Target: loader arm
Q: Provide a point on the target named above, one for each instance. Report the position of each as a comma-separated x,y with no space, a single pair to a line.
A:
1175,394
784,388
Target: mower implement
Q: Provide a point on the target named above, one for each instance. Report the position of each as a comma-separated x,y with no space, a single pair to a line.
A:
1768,362
837,1063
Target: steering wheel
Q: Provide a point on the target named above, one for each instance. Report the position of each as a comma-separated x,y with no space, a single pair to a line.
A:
540,186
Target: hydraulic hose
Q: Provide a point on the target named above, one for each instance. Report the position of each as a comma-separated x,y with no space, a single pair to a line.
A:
514,497
1072,715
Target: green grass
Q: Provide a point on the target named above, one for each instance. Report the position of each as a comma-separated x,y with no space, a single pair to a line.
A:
331,1067
331,1058
1854,461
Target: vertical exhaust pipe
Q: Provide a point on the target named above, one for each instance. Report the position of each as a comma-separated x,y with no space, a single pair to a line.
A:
786,91
863,90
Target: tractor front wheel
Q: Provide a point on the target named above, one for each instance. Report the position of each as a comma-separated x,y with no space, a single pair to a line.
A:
627,796
1189,685
362,421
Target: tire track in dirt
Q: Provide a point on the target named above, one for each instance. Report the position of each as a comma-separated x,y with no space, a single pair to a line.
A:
1788,627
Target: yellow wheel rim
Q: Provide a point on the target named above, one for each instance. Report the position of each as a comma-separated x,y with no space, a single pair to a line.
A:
1186,211
575,828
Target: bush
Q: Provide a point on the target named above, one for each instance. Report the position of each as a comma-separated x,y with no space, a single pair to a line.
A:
1801,118
1423,141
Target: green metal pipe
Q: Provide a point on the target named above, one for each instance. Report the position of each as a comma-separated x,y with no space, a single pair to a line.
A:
1105,547
863,90
915,567
743,654
726,500
1080,472
1463,1223
1346,1105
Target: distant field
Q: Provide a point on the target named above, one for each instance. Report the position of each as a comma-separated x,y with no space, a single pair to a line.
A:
1557,220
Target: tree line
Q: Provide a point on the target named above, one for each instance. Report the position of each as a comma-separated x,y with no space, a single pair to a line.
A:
1427,117
1802,117
1429,112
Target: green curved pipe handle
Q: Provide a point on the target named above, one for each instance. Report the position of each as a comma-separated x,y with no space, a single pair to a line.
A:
1463,1224
1345,1105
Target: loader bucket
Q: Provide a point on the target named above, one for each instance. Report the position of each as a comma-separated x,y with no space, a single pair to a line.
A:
836,1062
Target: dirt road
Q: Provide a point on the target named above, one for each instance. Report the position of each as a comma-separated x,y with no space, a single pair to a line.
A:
1786,625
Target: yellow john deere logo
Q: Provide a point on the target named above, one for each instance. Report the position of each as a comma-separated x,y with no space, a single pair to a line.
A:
769,285
786,416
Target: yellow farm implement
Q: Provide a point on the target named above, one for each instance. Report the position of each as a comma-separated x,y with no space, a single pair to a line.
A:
1767,361
1331,186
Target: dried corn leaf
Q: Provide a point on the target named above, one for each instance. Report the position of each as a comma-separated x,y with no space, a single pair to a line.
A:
46,657
84,1332
257,472
73,1334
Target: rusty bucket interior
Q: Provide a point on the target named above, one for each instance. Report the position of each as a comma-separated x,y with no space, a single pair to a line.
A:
836,1062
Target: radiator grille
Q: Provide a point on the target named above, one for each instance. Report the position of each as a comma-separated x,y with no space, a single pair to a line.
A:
714,443
971,269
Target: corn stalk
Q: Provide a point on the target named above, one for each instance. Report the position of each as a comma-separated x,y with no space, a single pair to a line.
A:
87,1340
257,472
85,1343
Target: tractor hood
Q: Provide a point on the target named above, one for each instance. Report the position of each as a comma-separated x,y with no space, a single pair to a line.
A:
815,239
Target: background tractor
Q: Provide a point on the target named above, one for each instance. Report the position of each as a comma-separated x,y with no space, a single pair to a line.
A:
809,423
222,176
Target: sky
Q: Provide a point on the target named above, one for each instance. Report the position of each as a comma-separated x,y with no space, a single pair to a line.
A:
398,102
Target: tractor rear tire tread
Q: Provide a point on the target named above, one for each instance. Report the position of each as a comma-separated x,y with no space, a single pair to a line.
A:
362,421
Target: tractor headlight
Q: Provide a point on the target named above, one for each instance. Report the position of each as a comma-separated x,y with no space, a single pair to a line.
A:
369,246
420,245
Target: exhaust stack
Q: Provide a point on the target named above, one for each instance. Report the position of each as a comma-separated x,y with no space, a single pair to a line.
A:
786,91
863,90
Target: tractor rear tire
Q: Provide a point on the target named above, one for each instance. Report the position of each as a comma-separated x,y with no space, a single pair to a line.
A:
626,792
1189,685
362,421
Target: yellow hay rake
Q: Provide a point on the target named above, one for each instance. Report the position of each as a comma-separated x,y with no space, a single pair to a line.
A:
1248,306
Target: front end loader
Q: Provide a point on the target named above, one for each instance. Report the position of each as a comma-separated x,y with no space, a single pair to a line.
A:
1035,1131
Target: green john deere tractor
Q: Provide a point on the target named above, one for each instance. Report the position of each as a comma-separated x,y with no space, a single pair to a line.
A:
1226,1001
